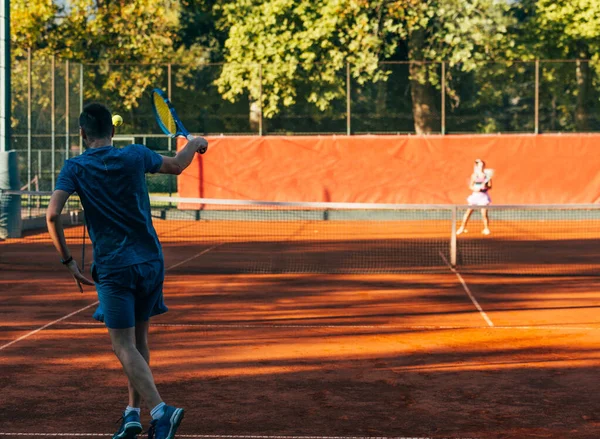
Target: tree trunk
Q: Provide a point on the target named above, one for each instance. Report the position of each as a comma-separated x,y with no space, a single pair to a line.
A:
554,114
255,117
422,92
584,95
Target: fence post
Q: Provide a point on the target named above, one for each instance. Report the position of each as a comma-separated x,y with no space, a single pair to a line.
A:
260,100
53,119
80,103
39,169
443,98
169,81
67,112
537,96
169,84
348,101
29,118
5,79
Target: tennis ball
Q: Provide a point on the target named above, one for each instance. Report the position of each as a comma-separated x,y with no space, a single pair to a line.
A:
117,120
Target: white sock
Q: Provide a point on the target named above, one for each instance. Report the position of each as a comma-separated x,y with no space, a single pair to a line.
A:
158,411
130,409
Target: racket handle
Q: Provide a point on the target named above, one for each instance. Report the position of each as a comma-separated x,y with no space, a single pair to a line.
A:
190,138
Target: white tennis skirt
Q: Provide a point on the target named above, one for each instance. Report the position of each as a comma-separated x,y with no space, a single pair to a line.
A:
479,199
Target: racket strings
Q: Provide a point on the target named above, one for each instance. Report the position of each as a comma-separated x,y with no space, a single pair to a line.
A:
164,113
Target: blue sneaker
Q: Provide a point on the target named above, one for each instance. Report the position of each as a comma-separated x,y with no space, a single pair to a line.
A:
130,427
166,427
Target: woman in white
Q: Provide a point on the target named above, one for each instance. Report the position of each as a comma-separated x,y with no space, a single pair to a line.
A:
480,184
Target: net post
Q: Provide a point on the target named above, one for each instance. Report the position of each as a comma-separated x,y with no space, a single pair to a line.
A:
453,238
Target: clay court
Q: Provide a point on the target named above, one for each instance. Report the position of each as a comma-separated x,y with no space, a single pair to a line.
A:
375,335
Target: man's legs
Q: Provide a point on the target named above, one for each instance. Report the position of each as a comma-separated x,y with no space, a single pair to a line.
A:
141,344
486,222
464,221
135,365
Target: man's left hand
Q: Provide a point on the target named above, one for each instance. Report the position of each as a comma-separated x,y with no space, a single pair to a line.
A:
78,276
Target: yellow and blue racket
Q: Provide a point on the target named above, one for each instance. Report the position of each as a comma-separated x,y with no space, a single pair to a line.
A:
167,118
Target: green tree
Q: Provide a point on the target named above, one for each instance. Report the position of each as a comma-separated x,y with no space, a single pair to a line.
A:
198,27
294,44
464,34
569,29
33,28
139,33
33,25
306,43
125,47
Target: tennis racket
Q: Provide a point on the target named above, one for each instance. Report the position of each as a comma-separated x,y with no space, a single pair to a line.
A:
489,173
167,118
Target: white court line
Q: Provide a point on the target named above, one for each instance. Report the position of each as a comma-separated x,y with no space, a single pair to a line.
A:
342,326
56,434
218,436
193,257
29,334
468,291
41,328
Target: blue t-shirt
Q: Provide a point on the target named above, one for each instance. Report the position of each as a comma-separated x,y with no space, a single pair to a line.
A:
111,184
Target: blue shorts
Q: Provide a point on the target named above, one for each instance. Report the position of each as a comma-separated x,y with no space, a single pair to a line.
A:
130,294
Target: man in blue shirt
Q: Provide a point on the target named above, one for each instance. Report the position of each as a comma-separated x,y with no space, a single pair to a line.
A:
128,263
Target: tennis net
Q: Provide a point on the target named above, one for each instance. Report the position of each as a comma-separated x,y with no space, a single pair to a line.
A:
238,236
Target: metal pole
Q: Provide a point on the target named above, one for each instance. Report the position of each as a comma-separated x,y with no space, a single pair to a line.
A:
260,100
29,118
39,168
80,103
169,80
453,238
5,92
67,133
53,118
348,99
169,85
537,96
443,98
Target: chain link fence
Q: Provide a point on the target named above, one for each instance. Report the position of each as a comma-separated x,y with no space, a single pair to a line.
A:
496,97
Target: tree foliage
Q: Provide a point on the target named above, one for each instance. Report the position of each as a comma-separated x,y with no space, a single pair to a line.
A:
125,47
304,44
294,53
297,44
566,30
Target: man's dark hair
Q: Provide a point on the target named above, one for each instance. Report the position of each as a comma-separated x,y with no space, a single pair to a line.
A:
96,121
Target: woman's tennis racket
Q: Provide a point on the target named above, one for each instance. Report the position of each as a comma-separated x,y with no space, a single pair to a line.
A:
167,118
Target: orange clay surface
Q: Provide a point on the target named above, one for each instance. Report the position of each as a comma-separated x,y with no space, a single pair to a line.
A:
405,355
